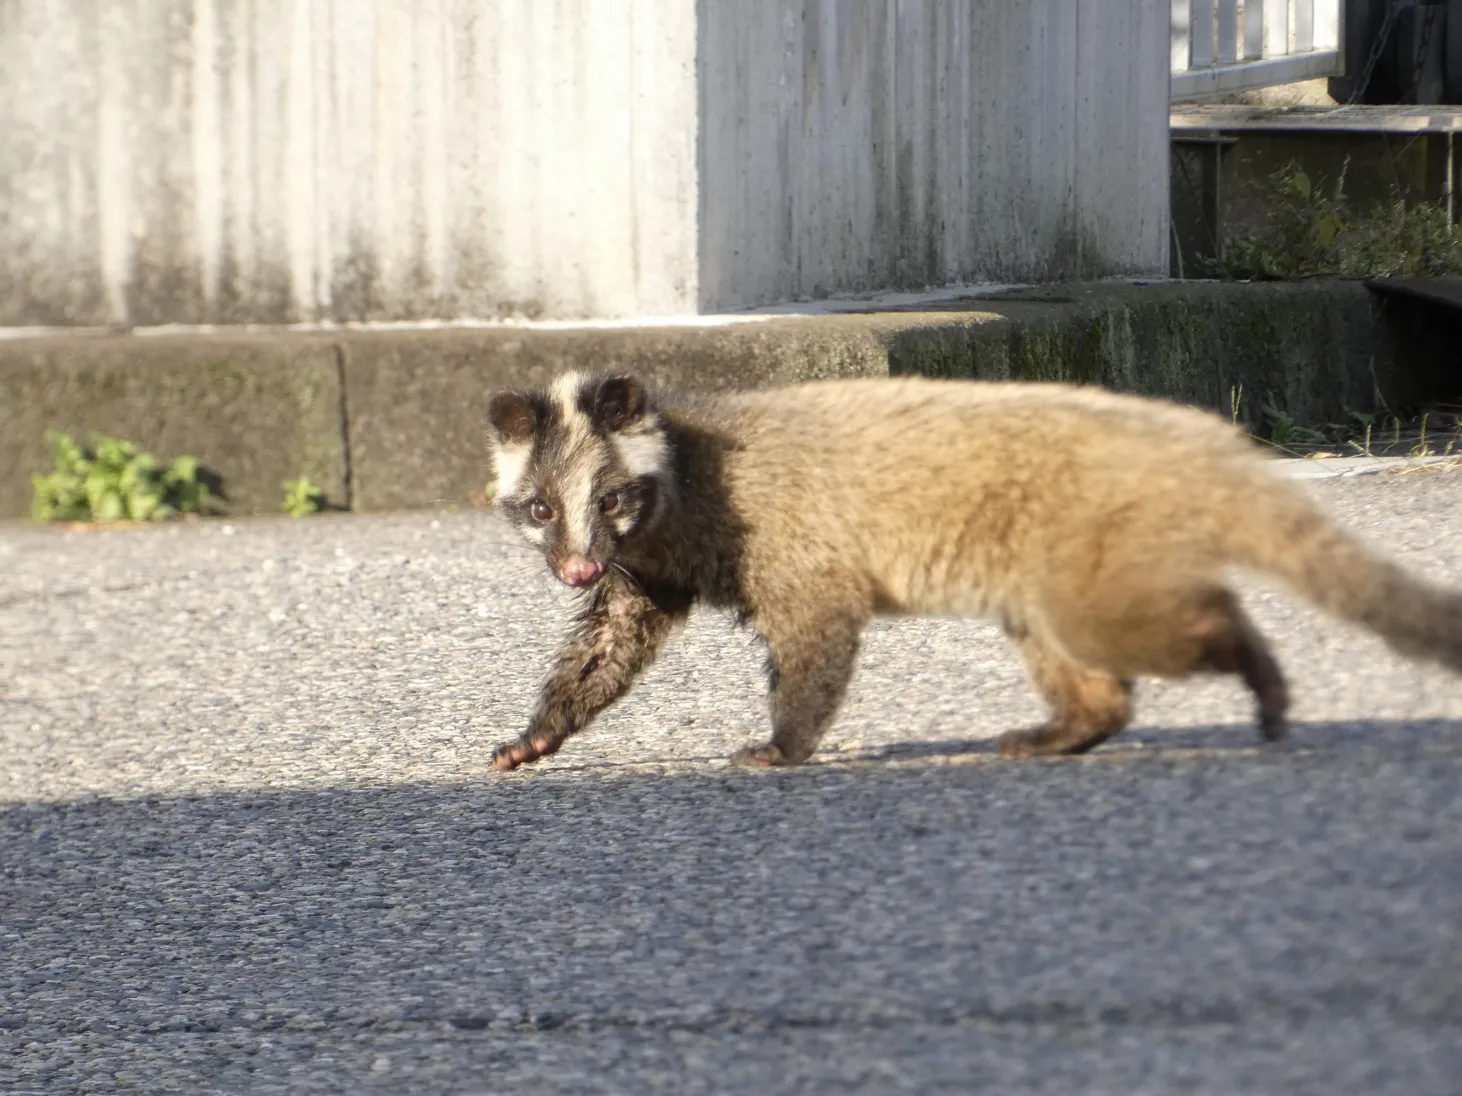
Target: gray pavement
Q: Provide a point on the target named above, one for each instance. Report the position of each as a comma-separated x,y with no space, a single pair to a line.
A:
250,843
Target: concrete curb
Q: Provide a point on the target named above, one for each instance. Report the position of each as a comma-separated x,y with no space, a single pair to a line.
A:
394,419
254,410
1338,467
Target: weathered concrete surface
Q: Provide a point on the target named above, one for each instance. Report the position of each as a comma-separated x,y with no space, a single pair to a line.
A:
205,161
1315,349
249,843
284,160
853,145
254,410
266,406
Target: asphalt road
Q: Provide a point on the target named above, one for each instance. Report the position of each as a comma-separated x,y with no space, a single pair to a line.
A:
250,843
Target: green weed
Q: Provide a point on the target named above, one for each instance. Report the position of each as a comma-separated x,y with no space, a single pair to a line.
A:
113,481
1421,448
1314,230
301,497
1286,433
1367,420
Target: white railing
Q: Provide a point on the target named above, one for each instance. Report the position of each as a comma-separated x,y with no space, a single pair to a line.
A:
1233,45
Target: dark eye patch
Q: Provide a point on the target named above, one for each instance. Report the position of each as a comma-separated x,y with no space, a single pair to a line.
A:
639,498
521,508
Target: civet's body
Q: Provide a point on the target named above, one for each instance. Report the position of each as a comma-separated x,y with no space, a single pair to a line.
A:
1094,527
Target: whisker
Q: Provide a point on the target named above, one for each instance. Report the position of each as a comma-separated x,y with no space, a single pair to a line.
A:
516,546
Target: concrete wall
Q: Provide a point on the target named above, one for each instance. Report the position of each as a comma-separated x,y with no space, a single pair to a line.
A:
864,144
284,160
276,160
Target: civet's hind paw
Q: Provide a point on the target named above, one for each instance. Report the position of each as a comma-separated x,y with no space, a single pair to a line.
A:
524,750
763,756
1016,744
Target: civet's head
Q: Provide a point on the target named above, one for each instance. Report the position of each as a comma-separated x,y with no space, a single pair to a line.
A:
581,468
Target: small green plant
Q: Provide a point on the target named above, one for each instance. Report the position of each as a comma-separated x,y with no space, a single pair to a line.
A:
301,497
1422,432
1236,401
1285,432
1421,448
113,481
1311,229
1367,420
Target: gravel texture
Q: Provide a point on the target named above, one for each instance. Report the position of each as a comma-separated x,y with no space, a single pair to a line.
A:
250,843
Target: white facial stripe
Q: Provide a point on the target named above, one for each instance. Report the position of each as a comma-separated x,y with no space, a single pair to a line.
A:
565,392
576,490
581,461
643,453
511,461
577,428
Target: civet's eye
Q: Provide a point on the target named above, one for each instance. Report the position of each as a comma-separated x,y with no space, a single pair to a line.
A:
609,504
540,510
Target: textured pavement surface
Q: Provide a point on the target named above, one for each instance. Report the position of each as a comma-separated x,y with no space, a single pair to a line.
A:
250,843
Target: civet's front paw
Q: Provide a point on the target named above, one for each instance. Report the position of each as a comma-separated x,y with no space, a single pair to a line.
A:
526,749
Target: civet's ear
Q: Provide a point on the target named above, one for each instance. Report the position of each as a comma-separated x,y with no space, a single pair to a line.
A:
618,402
511,415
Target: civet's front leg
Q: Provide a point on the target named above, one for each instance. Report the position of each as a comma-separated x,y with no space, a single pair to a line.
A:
810,662
617,634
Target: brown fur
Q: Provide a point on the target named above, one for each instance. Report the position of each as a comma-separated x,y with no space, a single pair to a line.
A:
1096,527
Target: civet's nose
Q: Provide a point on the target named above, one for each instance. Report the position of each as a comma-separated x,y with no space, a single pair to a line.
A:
580,571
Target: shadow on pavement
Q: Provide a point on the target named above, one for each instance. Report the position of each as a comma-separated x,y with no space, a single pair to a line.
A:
1293,917
1216,740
